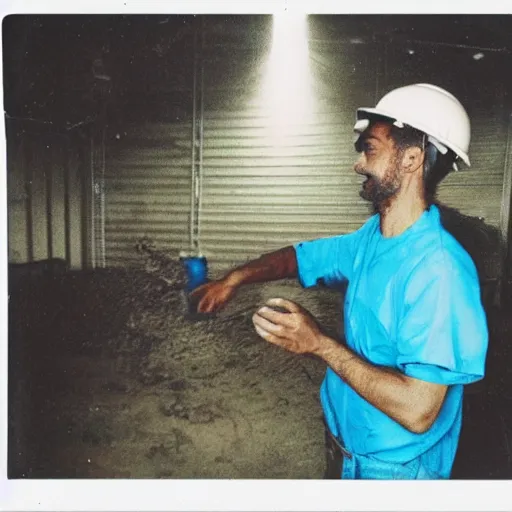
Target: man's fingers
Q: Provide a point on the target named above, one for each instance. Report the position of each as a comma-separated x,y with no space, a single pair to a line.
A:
292,307
275,317
267,336
266,325
203,306
207,305
216,306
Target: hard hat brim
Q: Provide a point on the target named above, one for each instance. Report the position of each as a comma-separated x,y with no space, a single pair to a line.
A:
365,112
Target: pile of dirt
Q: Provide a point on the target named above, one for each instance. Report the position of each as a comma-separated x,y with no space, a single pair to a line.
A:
483,243
111,376
121,380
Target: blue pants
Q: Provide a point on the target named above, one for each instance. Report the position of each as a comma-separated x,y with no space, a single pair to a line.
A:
350,466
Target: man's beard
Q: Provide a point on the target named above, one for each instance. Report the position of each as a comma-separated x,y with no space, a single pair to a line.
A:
380,191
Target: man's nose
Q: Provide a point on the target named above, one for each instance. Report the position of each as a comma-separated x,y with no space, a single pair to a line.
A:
359,165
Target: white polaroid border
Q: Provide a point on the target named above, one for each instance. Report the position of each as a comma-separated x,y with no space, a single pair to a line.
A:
236,495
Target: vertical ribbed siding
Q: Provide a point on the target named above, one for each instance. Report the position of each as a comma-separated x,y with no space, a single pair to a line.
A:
257,193
147,185
97,186
480,86
44,193
506,210
478,190
260,193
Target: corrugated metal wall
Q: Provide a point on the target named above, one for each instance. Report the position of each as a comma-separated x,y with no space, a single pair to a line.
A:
148,145
506,210
260,194
263,187
265,181
147,190
480,84
264,184
47,173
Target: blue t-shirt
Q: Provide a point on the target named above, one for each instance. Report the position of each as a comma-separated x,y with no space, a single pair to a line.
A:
412,304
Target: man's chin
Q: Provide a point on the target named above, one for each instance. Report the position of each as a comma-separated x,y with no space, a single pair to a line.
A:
367,195
379,202
375,207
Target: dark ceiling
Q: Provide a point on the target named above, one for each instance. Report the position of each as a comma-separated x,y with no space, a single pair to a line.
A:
59,67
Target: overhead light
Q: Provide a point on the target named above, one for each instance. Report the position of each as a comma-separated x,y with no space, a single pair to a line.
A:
287,91
478,56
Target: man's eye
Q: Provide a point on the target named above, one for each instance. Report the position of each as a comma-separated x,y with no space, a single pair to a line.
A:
364,147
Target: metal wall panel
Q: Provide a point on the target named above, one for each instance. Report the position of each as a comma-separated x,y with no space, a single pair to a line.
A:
260,188
147,190
45,179
263,189
480,84
506,217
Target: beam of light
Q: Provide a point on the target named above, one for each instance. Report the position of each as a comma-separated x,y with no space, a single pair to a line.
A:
287,92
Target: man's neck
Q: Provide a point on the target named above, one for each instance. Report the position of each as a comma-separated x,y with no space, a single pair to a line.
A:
400,214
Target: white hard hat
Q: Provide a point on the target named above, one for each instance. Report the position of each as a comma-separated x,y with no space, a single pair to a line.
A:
428,108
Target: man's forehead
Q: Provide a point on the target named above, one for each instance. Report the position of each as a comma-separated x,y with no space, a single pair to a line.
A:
378,131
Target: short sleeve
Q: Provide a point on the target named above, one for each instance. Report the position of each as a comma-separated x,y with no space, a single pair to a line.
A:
328,260
442,335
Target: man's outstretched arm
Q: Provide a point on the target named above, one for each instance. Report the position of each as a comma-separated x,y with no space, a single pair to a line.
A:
276,265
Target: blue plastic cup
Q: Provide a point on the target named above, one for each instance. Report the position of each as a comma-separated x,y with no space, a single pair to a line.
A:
196,268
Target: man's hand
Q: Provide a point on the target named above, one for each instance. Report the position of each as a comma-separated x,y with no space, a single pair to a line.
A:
275,265
296,330
213,296
413,403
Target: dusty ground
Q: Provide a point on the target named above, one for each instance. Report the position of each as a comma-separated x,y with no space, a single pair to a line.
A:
110,377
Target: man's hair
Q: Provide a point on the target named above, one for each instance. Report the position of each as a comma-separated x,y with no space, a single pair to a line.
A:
436,165
408,137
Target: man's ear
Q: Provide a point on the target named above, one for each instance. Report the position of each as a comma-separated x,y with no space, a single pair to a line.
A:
412,159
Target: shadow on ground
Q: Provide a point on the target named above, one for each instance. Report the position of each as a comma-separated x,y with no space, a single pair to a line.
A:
109,377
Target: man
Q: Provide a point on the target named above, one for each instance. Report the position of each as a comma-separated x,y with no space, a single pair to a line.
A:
415,328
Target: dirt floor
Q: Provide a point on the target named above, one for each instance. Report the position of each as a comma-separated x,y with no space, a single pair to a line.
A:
111,377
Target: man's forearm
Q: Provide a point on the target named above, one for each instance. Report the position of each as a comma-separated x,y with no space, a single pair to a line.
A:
413,404
276,265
